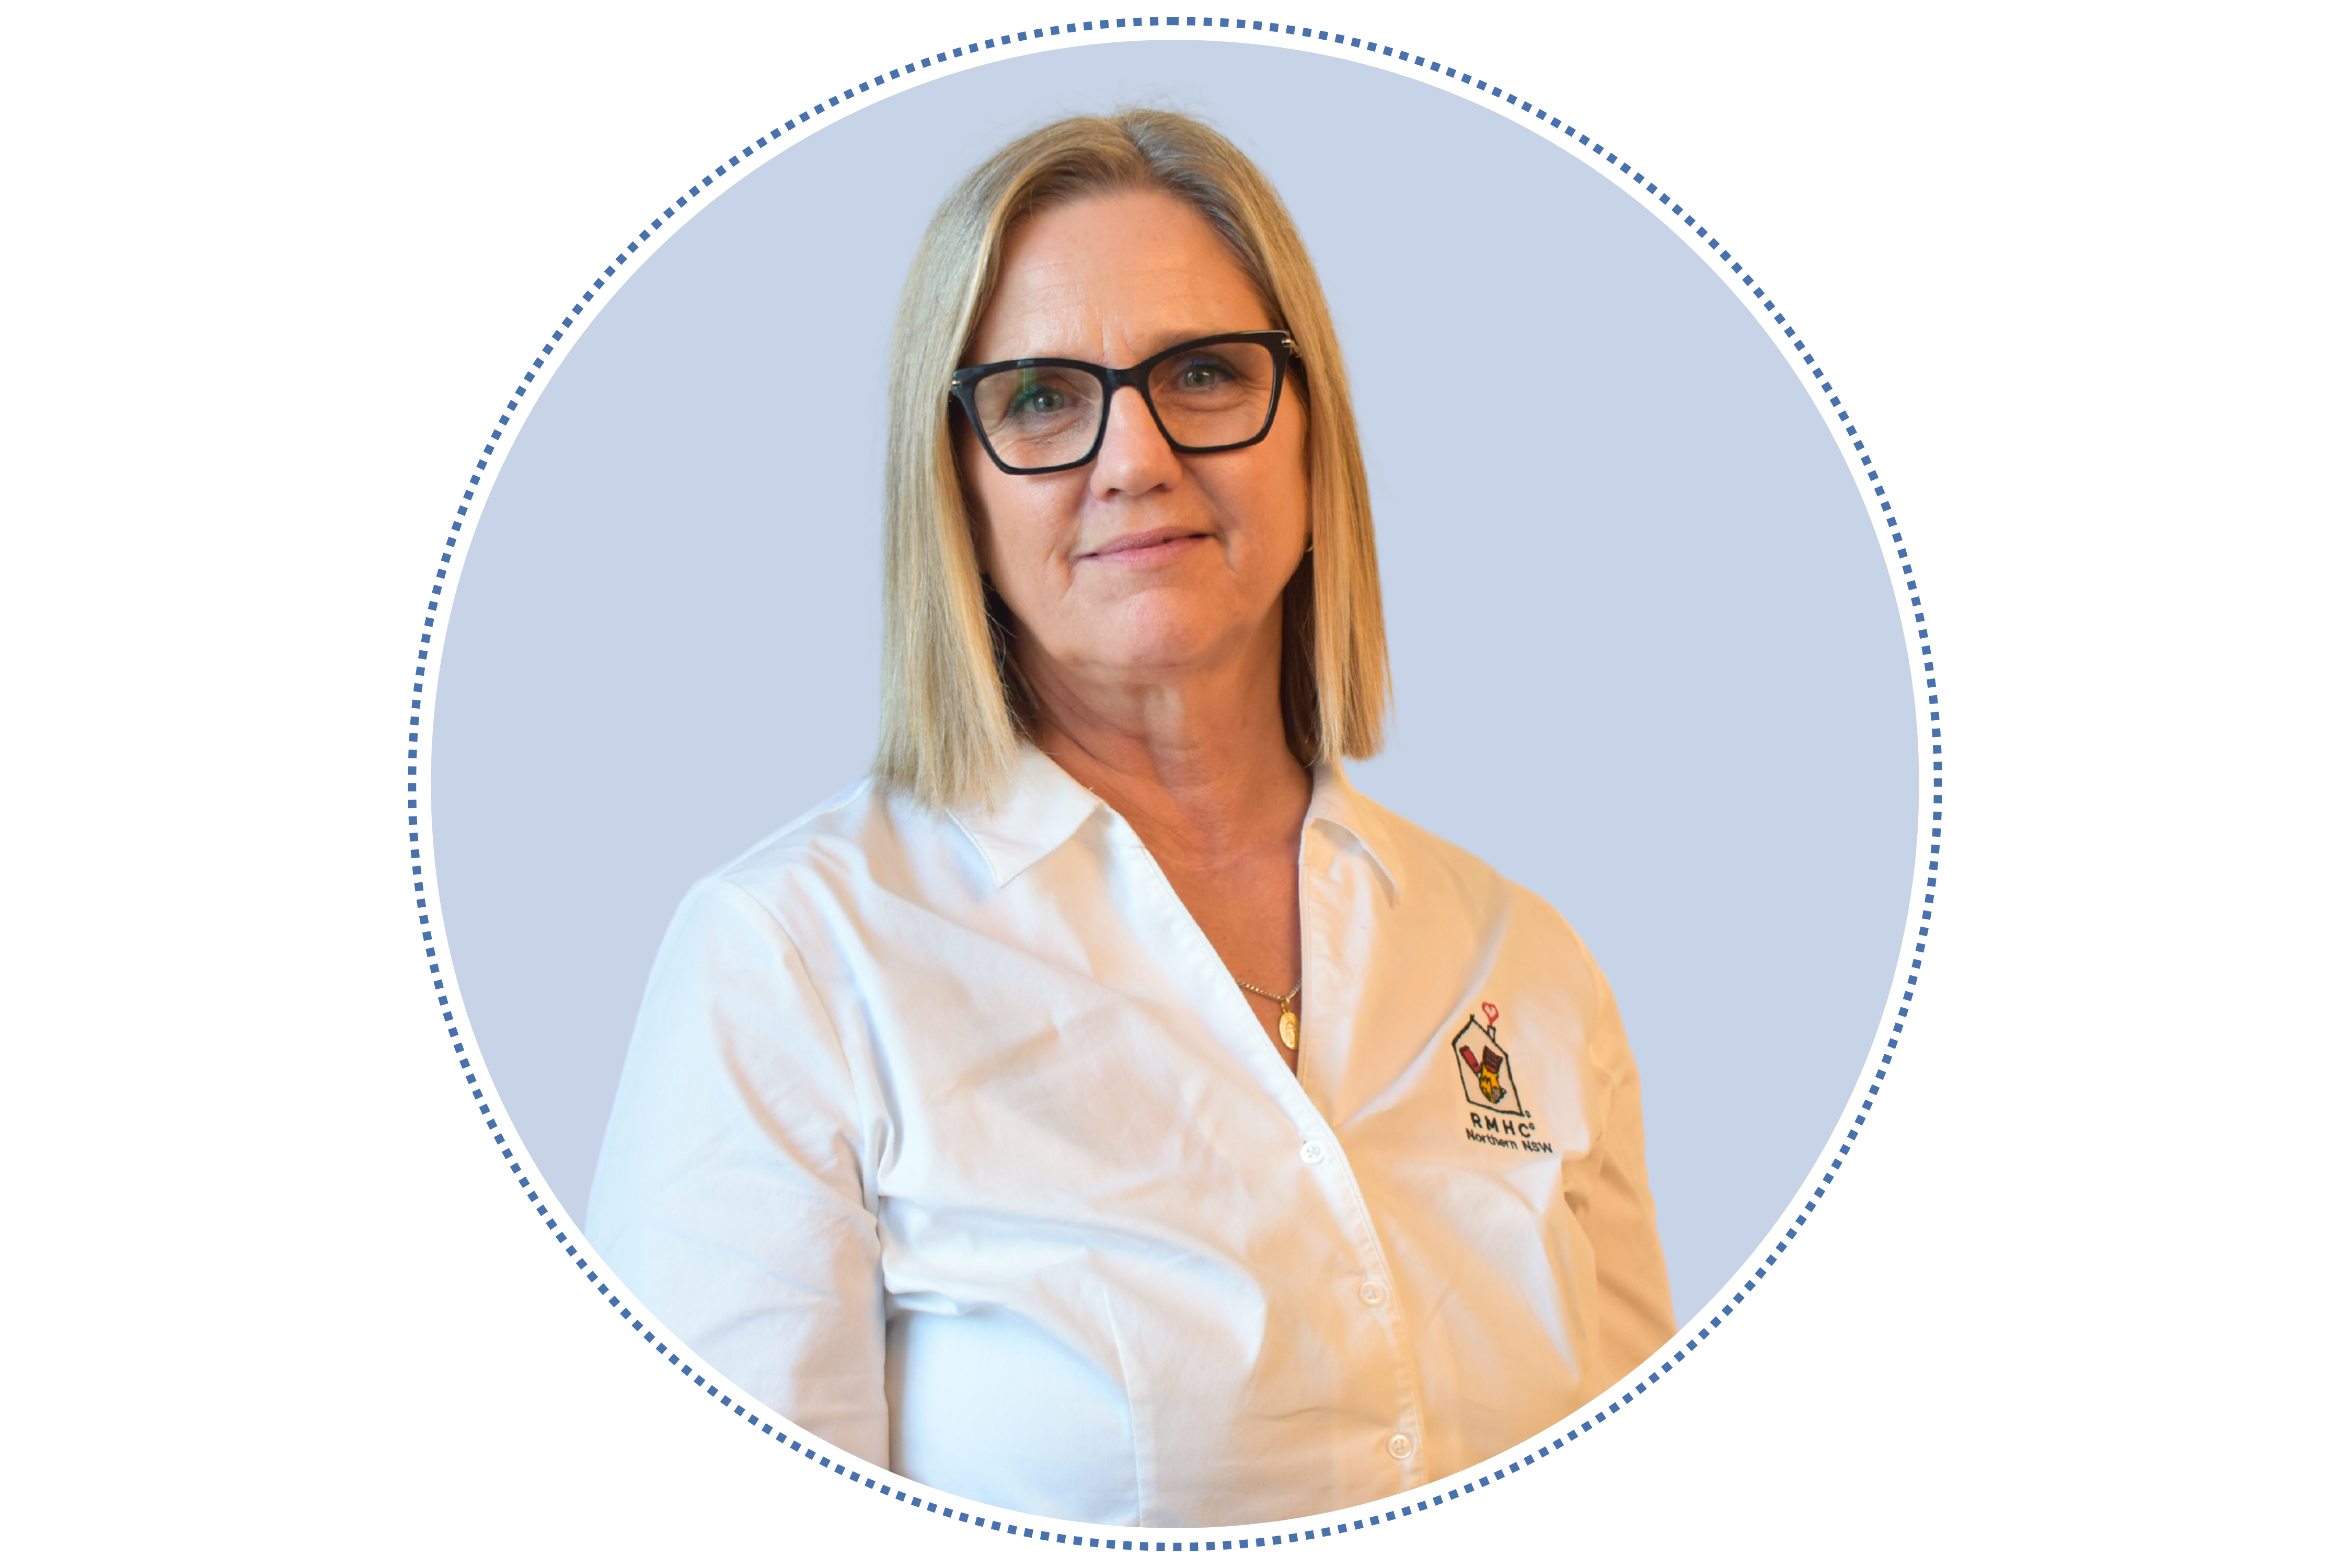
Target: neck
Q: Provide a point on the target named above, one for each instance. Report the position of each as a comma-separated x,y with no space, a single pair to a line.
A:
1198,763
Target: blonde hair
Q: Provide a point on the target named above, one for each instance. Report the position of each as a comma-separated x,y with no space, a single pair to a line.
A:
953,707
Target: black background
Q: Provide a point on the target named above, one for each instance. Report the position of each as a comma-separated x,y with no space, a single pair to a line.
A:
1886,232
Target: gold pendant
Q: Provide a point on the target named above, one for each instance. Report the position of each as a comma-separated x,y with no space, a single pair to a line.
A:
1289,1028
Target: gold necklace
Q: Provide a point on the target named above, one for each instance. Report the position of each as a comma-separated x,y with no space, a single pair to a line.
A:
1288,1012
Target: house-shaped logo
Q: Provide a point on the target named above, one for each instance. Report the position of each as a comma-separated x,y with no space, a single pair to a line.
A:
1485,1078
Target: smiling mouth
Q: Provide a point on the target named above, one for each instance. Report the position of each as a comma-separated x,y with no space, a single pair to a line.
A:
1149,545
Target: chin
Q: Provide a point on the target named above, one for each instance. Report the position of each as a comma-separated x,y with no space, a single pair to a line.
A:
1149,633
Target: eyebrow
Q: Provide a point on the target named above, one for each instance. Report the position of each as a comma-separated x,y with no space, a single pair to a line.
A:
1164,342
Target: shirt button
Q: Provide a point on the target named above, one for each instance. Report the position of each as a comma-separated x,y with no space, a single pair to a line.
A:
1373,1293
1312,1153
1400,1445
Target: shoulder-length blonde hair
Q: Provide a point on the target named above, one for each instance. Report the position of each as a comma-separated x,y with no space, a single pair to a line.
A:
954,706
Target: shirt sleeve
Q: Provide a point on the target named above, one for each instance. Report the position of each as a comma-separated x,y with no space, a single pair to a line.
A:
1608,1195
731,1194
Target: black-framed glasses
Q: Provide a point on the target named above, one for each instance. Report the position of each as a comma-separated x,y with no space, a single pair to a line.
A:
1210,394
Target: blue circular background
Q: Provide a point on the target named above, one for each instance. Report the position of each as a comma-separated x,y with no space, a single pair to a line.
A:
1648,660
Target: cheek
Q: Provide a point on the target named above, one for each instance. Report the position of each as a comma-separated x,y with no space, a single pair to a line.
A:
1284,449
1275,489
973,471
1017,522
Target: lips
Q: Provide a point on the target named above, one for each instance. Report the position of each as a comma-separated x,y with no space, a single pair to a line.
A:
1143,546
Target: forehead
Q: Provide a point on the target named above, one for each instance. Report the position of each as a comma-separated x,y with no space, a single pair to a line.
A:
1120,274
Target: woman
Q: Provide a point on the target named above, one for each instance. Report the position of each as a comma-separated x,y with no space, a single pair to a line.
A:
1103,1110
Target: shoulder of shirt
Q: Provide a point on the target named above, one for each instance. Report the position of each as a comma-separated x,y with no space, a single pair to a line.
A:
837,852
823,858
848,815
835,840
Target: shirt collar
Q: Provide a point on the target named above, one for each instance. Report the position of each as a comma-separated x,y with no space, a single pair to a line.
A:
1337,803
1035,813
1042,806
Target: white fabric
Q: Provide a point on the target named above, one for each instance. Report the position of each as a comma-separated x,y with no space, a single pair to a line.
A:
953,1141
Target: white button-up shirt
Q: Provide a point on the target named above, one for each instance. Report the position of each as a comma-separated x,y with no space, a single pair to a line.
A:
952,1140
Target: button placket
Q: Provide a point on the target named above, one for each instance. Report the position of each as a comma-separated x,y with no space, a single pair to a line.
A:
1373,1292
1309,1004
1371,1289
1312,995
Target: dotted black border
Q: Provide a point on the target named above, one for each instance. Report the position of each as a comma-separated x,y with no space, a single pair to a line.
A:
1596,156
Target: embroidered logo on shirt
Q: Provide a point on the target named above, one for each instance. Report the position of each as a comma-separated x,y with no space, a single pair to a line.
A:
1499,1118
1485,1075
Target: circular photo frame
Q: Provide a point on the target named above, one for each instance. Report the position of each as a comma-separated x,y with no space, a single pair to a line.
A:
442,861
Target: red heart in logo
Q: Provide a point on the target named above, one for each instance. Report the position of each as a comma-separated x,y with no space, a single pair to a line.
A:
1492,1013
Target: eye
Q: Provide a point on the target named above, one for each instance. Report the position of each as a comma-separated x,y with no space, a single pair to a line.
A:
1039,400
1200,375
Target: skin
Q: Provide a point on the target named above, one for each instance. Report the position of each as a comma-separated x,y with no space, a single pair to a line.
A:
1145,587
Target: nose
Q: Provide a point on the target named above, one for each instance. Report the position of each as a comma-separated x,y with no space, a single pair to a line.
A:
1134,456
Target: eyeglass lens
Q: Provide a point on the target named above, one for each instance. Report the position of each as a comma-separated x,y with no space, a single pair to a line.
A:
1047,415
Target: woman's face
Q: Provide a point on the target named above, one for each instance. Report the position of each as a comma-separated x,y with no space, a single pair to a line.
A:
1147,564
